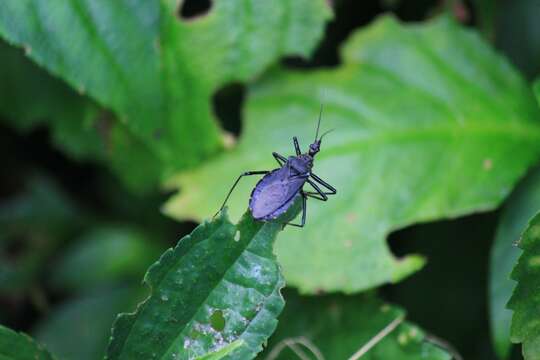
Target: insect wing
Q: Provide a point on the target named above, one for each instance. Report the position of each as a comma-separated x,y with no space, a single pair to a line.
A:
272,193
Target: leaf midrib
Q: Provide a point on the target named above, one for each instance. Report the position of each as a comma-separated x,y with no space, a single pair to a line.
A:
377,136
430,133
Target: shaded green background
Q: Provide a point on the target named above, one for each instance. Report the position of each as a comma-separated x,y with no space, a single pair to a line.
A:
52,203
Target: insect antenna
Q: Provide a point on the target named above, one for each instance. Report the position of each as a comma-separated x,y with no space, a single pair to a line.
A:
319,123
326,132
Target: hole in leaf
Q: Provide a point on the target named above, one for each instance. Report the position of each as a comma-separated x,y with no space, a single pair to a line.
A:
217,321
349,16
194,8
458,256
227,103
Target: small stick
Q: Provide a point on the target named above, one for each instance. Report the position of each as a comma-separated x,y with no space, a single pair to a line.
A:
375,340
291,343
443,345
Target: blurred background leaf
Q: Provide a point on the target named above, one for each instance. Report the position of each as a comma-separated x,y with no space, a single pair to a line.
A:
18,346
336,327
135,70
520,208
504,22
69,115
61,212
33,226
79,329
525,301
525,53
449,297
106,253
430,123
78,127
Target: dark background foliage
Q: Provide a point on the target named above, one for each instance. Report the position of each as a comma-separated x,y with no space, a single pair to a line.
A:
448,297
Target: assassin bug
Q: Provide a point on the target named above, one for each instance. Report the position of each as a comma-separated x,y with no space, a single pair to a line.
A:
279,188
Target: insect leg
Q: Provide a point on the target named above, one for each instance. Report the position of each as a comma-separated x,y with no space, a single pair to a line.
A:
325,184
279,158
296,146
319,194
247,173
304,207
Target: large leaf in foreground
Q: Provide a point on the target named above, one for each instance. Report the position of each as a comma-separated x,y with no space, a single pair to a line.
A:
430,123
18,346
522,206
338,326
218,285
525,301
158,72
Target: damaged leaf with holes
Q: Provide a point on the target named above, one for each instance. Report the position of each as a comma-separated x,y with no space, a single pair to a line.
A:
525,300
406,148
155,71
220,284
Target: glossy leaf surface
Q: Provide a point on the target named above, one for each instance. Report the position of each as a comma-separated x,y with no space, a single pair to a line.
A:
430,123
158,72
218,285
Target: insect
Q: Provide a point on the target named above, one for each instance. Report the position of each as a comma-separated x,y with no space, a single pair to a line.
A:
279,188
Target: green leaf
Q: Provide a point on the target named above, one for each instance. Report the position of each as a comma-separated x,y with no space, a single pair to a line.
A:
79,329
518,20
486,11
430,123
536,89
220,284
221,353
70,116
112,252
41,206
338,326
36,221
78,127
19,346
521,207
525,300
158,72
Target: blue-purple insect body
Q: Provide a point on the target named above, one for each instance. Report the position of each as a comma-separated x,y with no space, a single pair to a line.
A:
279,188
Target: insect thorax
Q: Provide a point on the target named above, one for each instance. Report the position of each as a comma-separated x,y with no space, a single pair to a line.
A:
301,164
